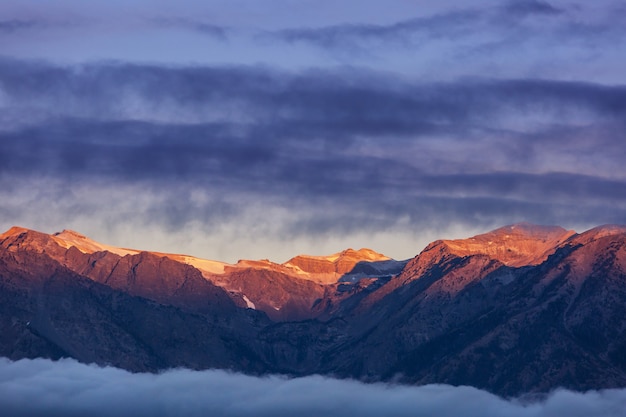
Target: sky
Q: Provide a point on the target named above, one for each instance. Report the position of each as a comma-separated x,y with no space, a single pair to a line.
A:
67,388
239,129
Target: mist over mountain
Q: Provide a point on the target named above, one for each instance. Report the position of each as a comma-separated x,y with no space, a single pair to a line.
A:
68,388
522,309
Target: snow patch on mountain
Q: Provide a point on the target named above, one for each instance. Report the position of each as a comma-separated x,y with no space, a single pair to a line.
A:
205,265
249,303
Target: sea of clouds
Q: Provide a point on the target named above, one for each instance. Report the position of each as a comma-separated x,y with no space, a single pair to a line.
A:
67,388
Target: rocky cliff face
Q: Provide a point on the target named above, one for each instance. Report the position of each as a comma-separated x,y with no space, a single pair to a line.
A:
523,308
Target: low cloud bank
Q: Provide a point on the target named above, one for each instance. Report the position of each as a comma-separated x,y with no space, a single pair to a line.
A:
67,388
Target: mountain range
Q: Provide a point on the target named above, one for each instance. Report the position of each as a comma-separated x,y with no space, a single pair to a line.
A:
521,309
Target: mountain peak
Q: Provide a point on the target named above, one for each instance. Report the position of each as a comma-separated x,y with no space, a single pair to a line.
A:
68,238
328,269
15,230
528,229
363,254
21,237
608,229
514,245
68,233
600,232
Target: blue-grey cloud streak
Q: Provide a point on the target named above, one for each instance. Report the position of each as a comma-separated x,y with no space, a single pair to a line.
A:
511,23
199,26
14,25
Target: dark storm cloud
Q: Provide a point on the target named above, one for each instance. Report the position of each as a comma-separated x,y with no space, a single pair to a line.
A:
67,388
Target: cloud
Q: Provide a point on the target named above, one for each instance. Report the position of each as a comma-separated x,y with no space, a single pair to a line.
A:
14,25
253,154
501,40
458,25
439,41
140,120
525,8
111,90
337,105
66,388
215,31
446,25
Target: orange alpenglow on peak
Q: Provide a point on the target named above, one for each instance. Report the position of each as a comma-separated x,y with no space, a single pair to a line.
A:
329,268
68,238
15,230
599,233
515,245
